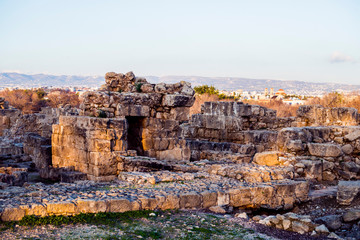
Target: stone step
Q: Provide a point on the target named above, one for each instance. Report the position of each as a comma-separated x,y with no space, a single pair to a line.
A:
71,199
252,173
323,193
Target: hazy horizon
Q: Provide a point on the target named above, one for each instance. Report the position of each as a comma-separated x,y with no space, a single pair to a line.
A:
311,41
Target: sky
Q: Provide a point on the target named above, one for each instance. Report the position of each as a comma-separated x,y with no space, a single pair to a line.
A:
307,40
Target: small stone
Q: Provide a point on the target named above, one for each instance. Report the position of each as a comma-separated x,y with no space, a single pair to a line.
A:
242,215
322,229
300,227
351,215
286,224
333,222
217,209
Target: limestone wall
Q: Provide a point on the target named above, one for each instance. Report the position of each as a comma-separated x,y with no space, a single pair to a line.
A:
8,118
153,112
90,145
227,121
317,115
39,149
324,153
127,95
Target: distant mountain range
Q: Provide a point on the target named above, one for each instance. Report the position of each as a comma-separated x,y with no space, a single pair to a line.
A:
223,83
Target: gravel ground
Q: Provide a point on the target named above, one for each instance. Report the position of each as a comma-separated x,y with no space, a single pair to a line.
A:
164,225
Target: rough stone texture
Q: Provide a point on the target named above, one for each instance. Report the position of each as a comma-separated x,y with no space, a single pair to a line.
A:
153,112
13,176
351,215
8,118
332,222
290,222
267,158
317,115
347,191
89,145
39,149
324,150
3,104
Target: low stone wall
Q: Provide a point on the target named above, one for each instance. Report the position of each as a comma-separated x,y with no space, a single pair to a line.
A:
323,153
282,194
317,115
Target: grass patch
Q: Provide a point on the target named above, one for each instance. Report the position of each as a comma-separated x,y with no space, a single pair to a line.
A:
109,219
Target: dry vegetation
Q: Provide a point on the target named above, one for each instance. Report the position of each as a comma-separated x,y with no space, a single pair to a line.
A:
200,99
282,109
30,101
333,99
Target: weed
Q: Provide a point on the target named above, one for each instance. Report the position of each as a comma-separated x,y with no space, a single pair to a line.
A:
138,87
102,114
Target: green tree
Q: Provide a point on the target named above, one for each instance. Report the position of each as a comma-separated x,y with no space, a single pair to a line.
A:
211,90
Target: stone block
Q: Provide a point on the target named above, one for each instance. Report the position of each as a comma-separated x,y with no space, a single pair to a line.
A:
171,202
352,136
12,214
35,209
190,200
61,208
209,199
177,100
119,205
241,197
223,198
149,203
91,206
324,149
214,122
267,158
347,191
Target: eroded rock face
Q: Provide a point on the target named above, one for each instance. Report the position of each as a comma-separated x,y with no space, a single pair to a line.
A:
13,176
324,150
3,104
347,191
317,115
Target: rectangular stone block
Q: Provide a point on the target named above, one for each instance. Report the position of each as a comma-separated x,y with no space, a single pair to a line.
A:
209,199
214,122
61,208
91,206
119,205
190,200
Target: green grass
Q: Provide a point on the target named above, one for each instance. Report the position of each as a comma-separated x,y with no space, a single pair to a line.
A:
170,224
110,219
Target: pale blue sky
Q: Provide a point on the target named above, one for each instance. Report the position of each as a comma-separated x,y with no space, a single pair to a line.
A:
309,40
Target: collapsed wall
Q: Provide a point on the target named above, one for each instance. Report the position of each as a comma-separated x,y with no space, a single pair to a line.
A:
317,115
232,127
323,153
153,112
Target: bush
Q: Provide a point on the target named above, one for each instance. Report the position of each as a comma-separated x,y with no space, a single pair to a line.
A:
30,101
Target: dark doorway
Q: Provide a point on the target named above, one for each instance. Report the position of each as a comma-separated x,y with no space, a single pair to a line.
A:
134,134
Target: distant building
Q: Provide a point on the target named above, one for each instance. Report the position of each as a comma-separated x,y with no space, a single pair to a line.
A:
271,91
280,92
266,92
294,102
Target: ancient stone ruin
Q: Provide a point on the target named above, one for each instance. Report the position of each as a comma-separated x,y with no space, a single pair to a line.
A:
131,134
